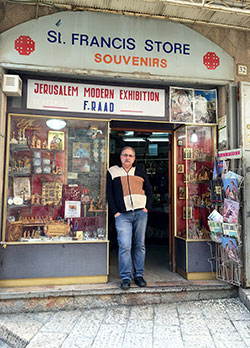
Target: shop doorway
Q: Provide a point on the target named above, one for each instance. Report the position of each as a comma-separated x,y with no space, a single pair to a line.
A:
153,149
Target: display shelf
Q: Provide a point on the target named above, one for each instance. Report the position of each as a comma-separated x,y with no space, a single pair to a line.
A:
38,174
193,172
192,215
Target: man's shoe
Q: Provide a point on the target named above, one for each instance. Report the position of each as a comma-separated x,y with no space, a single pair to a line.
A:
125,284
139,281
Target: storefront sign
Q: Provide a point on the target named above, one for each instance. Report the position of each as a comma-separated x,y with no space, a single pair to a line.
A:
230,154
48,95
109,44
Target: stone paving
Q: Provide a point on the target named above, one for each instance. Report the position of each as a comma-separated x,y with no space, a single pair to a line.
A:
196,324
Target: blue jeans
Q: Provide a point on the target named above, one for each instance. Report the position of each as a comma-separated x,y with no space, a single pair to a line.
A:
131,228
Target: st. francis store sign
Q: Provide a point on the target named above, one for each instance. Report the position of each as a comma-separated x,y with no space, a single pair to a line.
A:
109,44
72,97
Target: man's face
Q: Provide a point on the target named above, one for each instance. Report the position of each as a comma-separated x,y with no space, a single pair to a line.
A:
127,158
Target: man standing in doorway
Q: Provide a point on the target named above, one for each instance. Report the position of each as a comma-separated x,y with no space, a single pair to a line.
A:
129,196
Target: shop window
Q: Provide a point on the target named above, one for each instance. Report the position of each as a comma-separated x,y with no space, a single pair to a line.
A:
56,178
195,154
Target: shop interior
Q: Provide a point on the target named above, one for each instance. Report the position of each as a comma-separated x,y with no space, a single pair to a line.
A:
154,156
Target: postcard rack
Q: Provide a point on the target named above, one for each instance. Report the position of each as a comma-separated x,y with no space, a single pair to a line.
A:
224,268
224,225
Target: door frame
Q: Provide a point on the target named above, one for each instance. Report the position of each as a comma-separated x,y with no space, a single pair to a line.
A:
121,125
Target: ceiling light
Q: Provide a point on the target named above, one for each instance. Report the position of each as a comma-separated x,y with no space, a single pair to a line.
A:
134,139
56,124
155,140
194,137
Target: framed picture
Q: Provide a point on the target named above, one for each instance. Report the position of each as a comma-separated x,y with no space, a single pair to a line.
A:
81,157
80,150
182,192
56,140
205,106
21,188
186,178
181,105
52,193
72,209
186,215
180,168
187,153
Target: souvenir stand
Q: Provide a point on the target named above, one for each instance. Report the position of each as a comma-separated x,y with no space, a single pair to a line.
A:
195,144
55,200
194,168
224,222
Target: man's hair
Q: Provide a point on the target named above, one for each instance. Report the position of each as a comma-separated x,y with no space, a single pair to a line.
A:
128,147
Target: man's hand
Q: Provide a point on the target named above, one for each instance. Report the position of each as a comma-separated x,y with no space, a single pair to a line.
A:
145,210
117,214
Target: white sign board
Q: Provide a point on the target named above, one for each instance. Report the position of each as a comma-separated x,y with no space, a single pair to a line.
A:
230,154
73,97
104,43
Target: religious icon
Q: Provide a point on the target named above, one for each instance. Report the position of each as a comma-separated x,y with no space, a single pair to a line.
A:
56,140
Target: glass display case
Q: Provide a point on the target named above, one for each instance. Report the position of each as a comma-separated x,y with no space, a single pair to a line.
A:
55,180
194,161
195,154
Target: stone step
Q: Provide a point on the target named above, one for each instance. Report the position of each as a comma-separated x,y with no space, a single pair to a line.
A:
54,298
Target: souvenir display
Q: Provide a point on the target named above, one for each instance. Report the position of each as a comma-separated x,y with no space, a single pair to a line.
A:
182,192
187,153
37,170
180,168
225,191
85,198
47,170
72,192
56,140
72,209
14,232
36,199
96,205
194,157
52,193
56,180
55,229
21,188
81,157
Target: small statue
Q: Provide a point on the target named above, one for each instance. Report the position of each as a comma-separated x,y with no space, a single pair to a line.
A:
33,141
44,144
13,140
92,207
99,203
